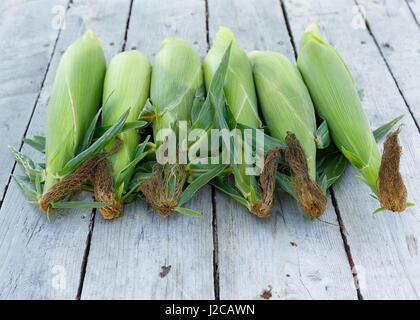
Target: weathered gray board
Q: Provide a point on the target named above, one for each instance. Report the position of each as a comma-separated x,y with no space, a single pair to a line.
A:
398,37
414,6
383,246
42,260
126,255
287,254
26,29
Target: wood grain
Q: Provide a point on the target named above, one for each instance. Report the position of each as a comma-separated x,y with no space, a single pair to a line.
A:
127,255
26,28
398,36
385,260
42,260
414,6
286,251
287,254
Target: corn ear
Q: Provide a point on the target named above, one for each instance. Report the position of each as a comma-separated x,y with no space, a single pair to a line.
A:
126,86
74,101
176,77
337,102
241,98
285,101
290,116
239,86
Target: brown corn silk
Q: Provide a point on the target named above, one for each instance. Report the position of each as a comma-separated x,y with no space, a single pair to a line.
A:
74,101
337,102
240,95
70,184
267,182
103,185
93,169
290,116
163,198
310,195
392,193
73,104
176,76
126,87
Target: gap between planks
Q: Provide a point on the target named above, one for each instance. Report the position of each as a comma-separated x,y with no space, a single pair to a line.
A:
86,255
216,284
91,225
215,248
346,244
333,199
33,108
127,25
289,30
368,28
94,211
412,12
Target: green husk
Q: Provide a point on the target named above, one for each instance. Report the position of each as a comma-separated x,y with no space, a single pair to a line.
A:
337,102
72,153
126,88
285,101
238,86
241,99
127,83
176,77
74,101
290,117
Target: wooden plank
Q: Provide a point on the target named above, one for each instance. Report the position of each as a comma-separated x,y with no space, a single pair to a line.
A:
41,260
152,23
286,252
126,255
414,6
383,246
26,27
400,49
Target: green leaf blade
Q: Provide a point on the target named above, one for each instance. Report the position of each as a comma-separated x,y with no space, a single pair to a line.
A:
28,191
80,205
322,138
97,146
199,182
189,212
38,143
383,130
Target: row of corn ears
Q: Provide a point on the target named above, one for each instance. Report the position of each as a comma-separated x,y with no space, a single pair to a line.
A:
208,113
